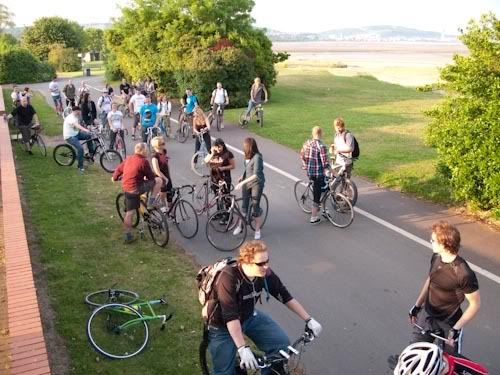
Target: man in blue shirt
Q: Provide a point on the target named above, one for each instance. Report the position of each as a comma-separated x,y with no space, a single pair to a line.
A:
148,117
189,101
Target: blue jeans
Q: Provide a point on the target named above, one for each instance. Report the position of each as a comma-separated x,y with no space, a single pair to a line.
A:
251,104
261,329
75,142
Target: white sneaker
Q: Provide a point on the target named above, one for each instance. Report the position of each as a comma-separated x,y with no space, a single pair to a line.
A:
237,230
314,220
222,126
257,235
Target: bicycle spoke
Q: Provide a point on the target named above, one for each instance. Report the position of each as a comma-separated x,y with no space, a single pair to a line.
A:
117,331
220,228
186,219
338,210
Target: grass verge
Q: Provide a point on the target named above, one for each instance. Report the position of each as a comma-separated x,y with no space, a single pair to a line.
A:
386,118
78,236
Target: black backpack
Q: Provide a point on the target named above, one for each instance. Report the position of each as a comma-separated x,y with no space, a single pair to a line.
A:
355,151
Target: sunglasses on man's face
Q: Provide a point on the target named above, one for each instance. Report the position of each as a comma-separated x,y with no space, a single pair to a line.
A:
262,264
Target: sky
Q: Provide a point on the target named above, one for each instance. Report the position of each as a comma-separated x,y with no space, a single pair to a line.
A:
298,15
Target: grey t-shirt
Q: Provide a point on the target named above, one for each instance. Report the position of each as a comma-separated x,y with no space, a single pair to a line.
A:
343,141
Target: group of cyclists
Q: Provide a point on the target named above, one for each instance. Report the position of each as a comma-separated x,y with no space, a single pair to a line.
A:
240,287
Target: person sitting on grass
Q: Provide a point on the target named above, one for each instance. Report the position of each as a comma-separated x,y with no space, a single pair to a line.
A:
137,179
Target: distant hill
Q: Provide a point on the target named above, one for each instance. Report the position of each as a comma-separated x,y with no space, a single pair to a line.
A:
369,33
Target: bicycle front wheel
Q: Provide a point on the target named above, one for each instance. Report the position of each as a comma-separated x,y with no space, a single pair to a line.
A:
347,188
198,165
243,120
158,227
220,230
103,297
110,159
338,210
264,205
39,145
64,155
185,218
303,195
117,331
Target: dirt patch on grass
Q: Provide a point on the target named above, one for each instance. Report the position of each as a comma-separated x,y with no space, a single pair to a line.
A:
59,359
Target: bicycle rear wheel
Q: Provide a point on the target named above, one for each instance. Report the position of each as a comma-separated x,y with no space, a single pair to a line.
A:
64,155
347,188
338,210
121,209
303,195
183,131
185,218
103,297
117,331
264,205
39,145
220,227
158,227
198,165
110,159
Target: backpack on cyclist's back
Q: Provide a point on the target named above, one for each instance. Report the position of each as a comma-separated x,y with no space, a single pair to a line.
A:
206,279
355,151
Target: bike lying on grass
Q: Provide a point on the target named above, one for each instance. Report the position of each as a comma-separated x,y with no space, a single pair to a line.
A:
118,327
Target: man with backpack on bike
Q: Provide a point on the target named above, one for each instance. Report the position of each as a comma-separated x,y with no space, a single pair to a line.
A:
230,312
219,99
450,281
343,146
25,117
314,157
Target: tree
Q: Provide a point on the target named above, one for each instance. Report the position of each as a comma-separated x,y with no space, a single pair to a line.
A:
64,59
47,31
181,40
465,127
5,18
94,42
19,65
7,41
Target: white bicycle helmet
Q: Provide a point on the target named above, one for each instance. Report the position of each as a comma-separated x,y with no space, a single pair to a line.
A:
421,358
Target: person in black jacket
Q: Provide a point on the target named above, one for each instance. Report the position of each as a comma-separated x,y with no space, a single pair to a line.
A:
89,111
233,315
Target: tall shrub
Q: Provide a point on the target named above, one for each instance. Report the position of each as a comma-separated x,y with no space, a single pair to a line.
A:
465,127
18,65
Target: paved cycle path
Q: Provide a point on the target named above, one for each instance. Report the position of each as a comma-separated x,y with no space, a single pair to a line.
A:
360,281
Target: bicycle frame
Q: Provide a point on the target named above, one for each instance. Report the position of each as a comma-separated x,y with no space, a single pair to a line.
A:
208,204
145,317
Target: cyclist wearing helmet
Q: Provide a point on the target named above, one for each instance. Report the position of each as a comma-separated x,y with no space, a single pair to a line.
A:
421,358
450,281
232,314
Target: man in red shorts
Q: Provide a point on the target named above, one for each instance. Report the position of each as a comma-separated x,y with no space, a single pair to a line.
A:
137,178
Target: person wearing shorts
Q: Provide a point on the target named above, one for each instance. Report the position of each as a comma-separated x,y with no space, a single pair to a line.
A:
252,184
56,95
137,179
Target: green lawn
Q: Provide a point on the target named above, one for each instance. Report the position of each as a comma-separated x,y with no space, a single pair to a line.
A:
96,69
51,122
79,235
386,119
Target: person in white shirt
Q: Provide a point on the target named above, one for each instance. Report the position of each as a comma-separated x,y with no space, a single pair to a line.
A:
134,105
82,90
15,96
73,133
104,104
219,99
56,95
115,122
164,112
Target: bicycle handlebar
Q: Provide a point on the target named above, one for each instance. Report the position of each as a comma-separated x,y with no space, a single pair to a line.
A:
433,333
284,355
